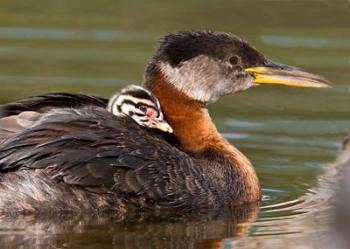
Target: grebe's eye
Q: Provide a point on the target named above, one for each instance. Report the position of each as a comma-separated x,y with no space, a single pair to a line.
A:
142,108
234,60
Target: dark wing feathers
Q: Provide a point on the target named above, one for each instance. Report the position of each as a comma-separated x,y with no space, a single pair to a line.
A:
91,148
21,114
52,100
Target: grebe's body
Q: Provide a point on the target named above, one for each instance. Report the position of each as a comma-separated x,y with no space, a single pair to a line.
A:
84,158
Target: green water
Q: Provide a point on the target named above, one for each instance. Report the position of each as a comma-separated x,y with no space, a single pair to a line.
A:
289,134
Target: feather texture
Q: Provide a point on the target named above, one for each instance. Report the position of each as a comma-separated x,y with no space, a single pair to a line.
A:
107,155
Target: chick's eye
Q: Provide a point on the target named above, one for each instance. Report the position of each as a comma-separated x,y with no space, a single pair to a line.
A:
143,108
234,60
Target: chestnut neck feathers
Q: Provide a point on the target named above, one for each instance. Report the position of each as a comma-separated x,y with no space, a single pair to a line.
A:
196,134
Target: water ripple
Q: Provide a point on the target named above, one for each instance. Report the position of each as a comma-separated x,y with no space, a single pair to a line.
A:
26,79
306,41
98,35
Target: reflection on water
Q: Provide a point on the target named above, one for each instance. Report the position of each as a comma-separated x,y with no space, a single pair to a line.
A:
318,219
197,230
289,134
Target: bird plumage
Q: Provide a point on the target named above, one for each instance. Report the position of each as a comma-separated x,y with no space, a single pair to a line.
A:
78,156
96,154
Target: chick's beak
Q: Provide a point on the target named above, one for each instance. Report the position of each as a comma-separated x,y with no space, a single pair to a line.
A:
162,125
274,73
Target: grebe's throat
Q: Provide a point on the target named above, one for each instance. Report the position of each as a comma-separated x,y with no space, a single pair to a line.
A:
197,134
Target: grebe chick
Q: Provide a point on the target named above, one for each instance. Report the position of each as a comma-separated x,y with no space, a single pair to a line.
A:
140,105
131,101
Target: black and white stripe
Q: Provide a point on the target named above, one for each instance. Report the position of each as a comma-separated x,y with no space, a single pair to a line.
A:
129,100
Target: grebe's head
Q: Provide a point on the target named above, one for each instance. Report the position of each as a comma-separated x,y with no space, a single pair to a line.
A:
207,65
141,105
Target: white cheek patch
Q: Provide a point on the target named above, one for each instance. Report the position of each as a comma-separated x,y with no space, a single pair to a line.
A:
130,110
194,73
127,109
203,78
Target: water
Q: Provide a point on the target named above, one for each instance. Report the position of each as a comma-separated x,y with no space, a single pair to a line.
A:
289,134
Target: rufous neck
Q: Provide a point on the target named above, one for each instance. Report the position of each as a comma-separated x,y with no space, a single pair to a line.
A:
196,133
189,118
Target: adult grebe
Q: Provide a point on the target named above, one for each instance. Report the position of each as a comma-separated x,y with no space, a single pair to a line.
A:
87,159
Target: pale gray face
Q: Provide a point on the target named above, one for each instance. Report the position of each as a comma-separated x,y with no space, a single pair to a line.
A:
140,105
207,79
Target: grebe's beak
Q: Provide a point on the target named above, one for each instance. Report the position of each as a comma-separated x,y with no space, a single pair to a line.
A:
274,73
162,125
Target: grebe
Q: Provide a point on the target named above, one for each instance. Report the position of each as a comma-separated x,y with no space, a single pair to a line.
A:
84,159
140,105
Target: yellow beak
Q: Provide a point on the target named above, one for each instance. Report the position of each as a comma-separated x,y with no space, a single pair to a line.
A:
161,125
288,76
